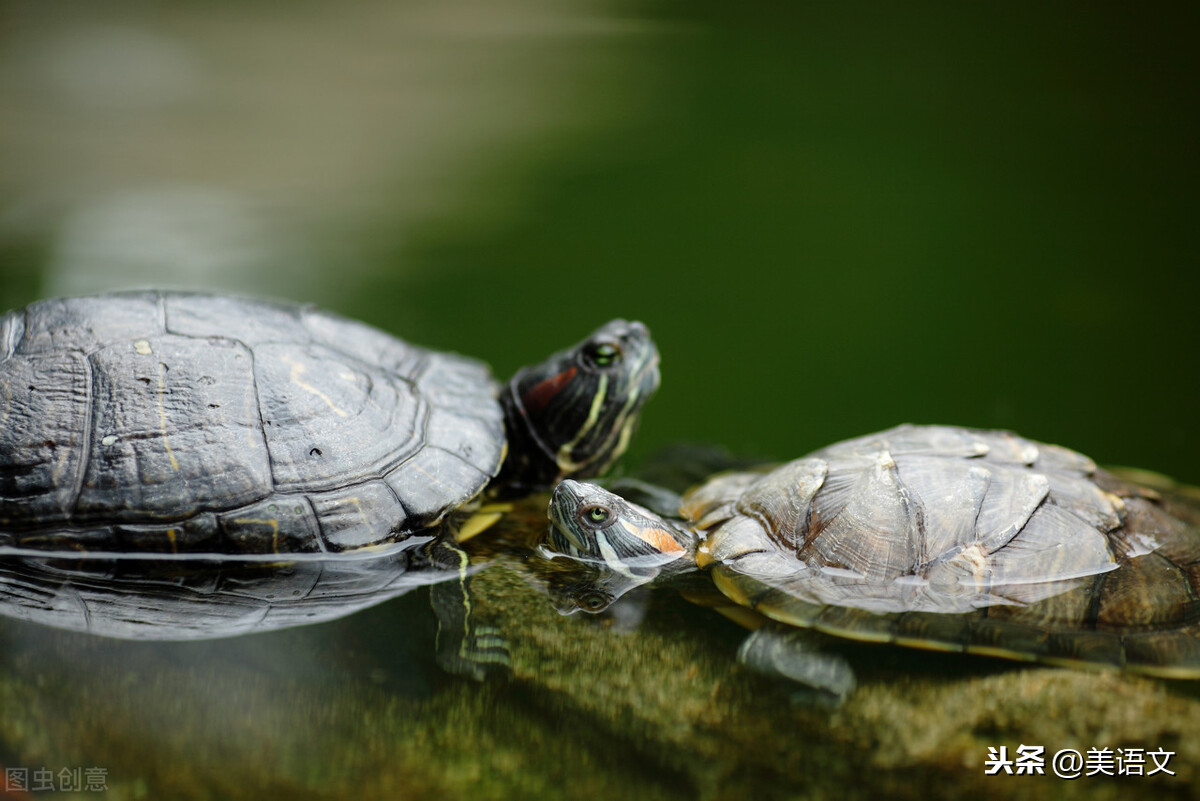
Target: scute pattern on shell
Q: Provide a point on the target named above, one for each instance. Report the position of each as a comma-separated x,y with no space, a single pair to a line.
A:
958,539
158,422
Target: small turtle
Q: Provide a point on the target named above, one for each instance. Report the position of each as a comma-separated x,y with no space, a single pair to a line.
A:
178,465
926,536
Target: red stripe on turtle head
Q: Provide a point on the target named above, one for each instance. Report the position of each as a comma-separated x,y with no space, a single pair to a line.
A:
539,396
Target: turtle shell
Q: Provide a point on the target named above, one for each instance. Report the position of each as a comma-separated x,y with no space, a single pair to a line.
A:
172,423
963,540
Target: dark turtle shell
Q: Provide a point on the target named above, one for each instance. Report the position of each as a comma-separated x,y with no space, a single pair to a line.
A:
173,423
963,540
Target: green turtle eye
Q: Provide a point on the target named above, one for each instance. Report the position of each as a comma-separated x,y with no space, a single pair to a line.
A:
594,602
595,516
602,354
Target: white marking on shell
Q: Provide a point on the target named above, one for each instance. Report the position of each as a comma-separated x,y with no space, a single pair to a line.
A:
297,368
162,415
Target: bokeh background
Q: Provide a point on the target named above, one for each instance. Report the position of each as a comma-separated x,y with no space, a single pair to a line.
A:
834,217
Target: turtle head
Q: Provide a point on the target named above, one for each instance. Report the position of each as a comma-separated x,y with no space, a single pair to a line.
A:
612,544
573,414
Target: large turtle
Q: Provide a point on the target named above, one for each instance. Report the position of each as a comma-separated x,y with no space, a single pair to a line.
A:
178,465
928,536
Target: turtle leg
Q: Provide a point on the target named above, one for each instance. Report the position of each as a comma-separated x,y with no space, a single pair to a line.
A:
484,518
783,652
464,646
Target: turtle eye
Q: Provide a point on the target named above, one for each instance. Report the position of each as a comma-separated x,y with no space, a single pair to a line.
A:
595,516
594,602
602,354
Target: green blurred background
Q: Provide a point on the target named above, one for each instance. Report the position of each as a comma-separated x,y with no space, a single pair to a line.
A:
834,217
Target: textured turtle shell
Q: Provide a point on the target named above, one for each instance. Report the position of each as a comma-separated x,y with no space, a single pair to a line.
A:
963,540
177,423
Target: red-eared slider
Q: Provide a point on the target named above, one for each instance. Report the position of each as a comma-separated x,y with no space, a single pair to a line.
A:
158,429
926,536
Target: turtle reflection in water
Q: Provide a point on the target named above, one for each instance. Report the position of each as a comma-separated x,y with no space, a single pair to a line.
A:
183,466
926,536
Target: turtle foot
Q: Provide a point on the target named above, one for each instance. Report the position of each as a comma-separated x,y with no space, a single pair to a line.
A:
825,680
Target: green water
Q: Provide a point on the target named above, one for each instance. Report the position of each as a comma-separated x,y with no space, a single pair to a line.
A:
833,217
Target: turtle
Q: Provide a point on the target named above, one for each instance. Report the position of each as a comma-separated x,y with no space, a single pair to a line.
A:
935,537
179,465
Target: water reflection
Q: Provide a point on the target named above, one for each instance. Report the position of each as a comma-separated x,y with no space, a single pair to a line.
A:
157,598
356,708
